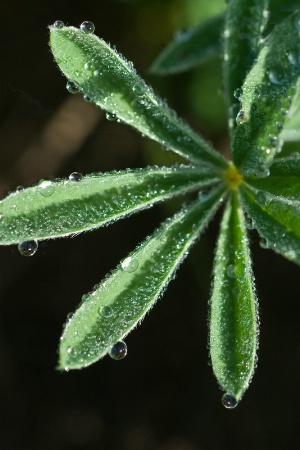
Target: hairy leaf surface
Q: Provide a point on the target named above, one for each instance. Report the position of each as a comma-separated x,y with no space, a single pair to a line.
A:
61,208
133,288
233,316
112,83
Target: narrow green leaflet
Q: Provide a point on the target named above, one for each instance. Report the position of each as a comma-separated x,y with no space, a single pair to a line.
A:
190,48
119,303
233,315
244,23
60,208
291,127
277,219
284,179
267,95
108,80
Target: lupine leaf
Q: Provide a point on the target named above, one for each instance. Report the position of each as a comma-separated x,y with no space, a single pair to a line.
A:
190,48
133,288
233,316
244,23
267,94
284,179
61,208
112,83
277,219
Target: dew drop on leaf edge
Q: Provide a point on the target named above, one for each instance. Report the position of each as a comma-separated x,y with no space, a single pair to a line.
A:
110,116
229,401
75,176
58,24
72,87
28,248
87,27
46,188
118,351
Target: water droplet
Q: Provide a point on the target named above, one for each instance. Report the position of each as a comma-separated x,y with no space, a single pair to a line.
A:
277,76
130,264
138,89
86,98
58,24
284,111
87,27
20,188
118,351
97,73
273,140
105,311
240,118
236,270
229,401
28,248
279,125
72,87
46,188
75,176
249,223
111,116
263,243
262,199
294,57
238,93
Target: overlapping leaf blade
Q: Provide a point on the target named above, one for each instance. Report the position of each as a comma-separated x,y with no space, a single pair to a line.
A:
107,79
132,289
291,126
267,94
284,179
244,23
190,48
233,316
276,218
61,208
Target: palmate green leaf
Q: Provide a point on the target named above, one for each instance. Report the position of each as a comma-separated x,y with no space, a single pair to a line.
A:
190,48
233,315
60,208
123,298
245,21
267,95
277,220
112,83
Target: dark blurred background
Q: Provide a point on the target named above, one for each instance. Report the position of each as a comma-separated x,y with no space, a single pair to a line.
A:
163,395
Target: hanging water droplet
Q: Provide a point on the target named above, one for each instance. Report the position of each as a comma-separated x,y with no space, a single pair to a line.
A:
130,264
229,401
111,116
75,176
87,27
204,195
284,111
20,188
263,243
238,93
279,125
58,24
28,248
86,98
138,89
105,312
240,118
72,87
118,351
262,199
46,188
